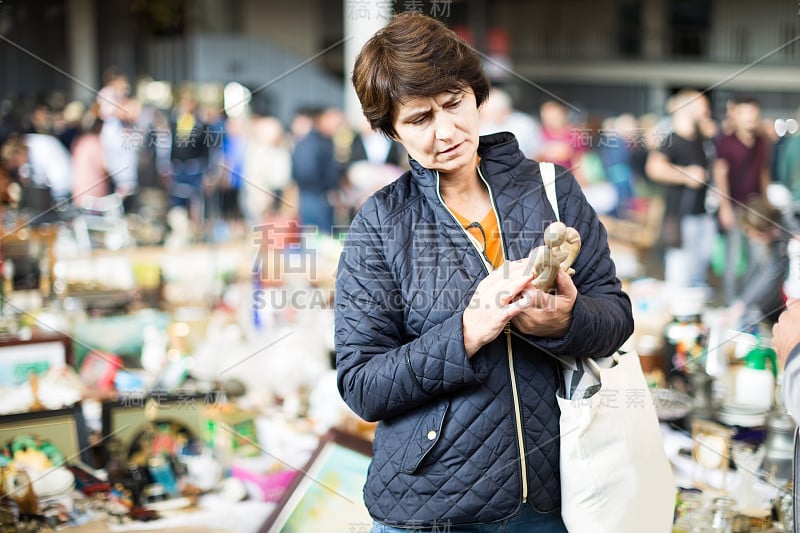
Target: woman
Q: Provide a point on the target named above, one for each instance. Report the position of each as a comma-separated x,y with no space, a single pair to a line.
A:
439,335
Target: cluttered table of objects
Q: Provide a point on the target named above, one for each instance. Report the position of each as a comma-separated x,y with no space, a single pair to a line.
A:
717,391
217,409
186,389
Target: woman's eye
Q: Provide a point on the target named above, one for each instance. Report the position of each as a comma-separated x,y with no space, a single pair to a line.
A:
455,104
419,120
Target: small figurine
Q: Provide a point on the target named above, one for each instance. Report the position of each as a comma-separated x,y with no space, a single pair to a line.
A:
561,247
22,493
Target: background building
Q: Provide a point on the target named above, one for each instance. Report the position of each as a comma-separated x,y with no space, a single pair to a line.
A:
603,57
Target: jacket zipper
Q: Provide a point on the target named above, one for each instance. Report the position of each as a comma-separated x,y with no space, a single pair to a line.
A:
517,415
489,268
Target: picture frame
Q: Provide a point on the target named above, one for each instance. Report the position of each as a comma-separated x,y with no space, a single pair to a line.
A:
65,428
327,493
38,354
711,450
123,419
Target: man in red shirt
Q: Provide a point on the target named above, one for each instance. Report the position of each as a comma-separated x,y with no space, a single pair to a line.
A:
741,171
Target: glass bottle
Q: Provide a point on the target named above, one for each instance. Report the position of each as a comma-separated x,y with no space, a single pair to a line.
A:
685,340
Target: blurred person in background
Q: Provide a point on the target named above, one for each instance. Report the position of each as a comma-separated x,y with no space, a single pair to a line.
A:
154,145
220,194
376,148
69,123
189,157
234,145
316,172
648,140
375,161
118,136
616,155
40,120
267,170
50,164
302,123
760,298
681,165
43,168
14,171
741,171
90,180
560,143
498,114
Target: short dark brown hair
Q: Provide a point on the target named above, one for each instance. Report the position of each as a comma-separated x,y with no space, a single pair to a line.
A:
413,56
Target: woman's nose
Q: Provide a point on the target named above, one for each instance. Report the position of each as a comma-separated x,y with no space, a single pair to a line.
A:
444,127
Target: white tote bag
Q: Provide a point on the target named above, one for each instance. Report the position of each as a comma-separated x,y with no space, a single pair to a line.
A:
615,476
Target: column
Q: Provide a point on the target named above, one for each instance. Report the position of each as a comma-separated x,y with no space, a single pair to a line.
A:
361,21
82,48
653,16
656,99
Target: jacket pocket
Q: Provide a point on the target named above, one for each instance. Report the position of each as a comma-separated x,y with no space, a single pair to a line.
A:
425,436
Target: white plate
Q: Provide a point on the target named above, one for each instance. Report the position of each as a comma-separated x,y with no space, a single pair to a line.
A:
742,415
51,482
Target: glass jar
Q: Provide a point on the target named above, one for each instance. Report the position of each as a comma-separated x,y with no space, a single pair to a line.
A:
723,514
691,513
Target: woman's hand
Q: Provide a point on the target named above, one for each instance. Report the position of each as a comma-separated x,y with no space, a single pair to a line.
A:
786,333
548,315
498,298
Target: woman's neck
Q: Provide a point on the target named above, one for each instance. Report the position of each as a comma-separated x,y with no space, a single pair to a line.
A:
466,194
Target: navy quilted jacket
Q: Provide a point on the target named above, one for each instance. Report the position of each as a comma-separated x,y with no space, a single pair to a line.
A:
462,440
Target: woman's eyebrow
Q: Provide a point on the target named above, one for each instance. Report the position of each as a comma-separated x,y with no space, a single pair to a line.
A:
413,114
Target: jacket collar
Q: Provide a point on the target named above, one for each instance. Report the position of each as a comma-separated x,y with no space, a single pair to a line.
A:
499,152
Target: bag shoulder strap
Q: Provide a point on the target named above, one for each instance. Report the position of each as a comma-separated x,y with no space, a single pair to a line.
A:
548,172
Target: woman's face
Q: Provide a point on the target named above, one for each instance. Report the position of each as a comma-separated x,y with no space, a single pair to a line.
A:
440,132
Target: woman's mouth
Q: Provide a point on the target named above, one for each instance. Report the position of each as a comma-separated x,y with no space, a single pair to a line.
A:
451,149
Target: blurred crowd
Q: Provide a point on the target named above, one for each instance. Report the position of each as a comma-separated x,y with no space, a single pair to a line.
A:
707,178
198,164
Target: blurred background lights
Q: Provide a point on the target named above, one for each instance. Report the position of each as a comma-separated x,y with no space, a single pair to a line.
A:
780,127
236,99
159,93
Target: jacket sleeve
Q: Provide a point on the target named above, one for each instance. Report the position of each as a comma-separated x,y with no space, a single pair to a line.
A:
602,318
791,384
380,372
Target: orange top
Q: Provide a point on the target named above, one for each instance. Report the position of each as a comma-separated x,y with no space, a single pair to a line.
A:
489,238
